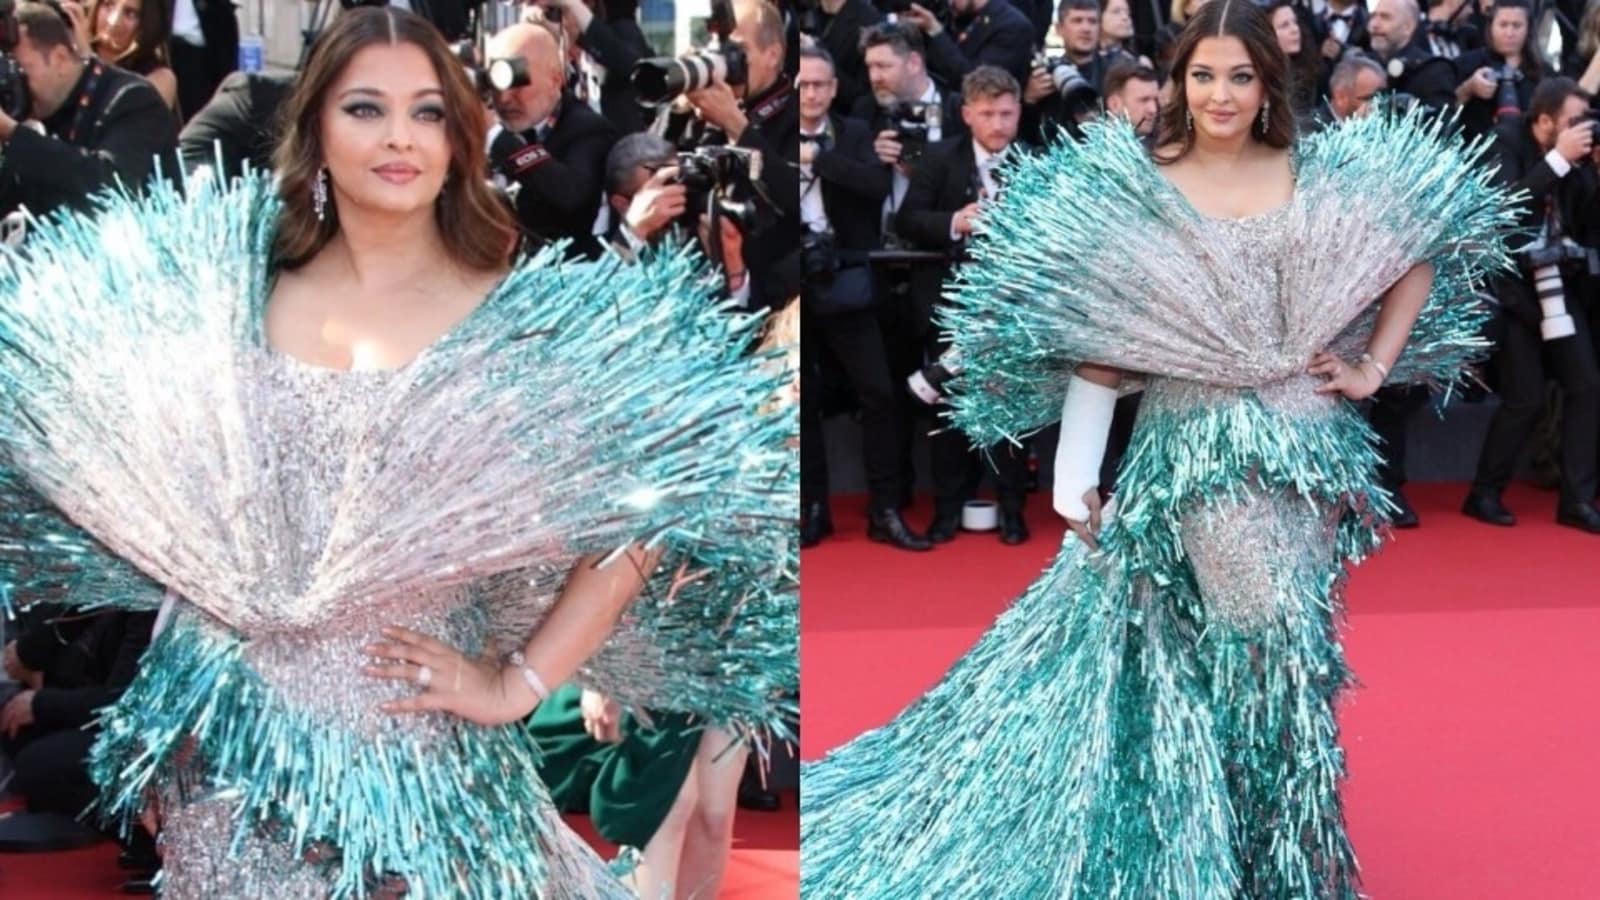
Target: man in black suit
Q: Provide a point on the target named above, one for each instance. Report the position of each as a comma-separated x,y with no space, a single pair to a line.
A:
1551,155
549,148
950,183
101,124
239,125
1412,69
842,186
761,115
604,52
204,49
837,26
986,33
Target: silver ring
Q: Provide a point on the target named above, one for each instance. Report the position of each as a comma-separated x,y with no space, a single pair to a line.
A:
424,676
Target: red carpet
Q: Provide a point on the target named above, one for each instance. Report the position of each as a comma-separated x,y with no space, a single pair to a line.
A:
1471,741
765,863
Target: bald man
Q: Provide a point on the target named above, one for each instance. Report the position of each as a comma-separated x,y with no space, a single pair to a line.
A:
549,148
1411,68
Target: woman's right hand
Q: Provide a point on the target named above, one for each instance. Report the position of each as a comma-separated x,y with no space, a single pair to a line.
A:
602,717
1089,531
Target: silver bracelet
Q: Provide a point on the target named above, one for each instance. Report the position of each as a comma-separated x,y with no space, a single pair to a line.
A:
535,683
1383,370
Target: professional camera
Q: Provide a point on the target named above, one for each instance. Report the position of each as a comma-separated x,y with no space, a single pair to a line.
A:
14,96
1506,101
927,383
1075,90
731,177
819,257
660,79
1546,261
912,123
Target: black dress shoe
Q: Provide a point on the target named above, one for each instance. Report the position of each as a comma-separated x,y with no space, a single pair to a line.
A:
1579,515
886,527
141,886
133,861
944,527
816,523
1488,509
1013,530
759,798
1405,515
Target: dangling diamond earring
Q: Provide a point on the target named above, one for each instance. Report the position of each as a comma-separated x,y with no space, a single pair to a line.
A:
319,195
1266,109
1188,120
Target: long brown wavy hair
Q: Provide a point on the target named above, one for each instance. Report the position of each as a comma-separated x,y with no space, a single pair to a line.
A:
1247,22
476,227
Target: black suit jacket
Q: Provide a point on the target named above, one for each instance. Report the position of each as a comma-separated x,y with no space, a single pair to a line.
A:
618,44
241,119
773,252
560,196
1431,79
944,181
219,25
999,35
853,183
1576,197
121,132
841,36
90,670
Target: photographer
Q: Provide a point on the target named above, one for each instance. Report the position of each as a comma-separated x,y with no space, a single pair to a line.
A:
1551,155
760,115
101,125
649,202
1066,90
842,186
838,26
547,147
238,126
948,187
1498,80
605,48
1411,69
1342,25
906,111
987,33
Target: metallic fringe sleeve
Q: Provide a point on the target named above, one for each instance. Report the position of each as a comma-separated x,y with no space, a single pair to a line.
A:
1385,192
44,558
1090,254
582,408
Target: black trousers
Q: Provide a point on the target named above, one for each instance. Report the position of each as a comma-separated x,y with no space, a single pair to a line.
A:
958,467
1522,360
196,79
1392,407
854,342
52,770
905,332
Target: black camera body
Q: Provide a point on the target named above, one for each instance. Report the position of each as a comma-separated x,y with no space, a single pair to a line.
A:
661,79
819,257
1506,101
15,97
912,123
729,176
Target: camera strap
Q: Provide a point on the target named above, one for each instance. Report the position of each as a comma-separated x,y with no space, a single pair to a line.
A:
764,109
529,158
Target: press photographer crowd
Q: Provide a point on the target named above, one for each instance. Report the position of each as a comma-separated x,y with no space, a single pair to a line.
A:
908,112
600,143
